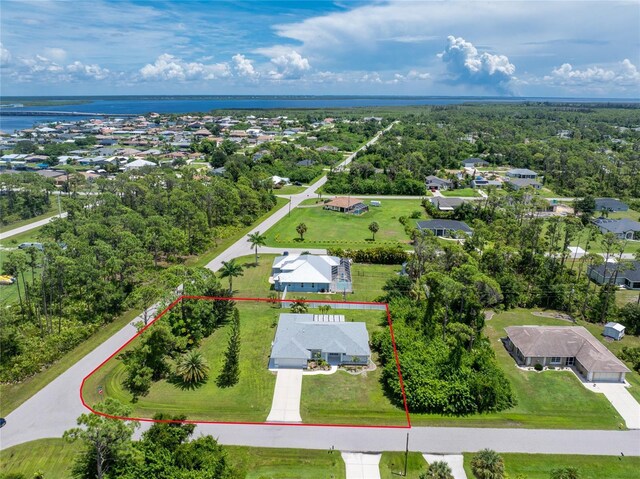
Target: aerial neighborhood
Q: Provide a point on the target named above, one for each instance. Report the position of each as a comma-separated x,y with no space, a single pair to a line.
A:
306,267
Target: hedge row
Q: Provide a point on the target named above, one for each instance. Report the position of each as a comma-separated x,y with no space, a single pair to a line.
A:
382,255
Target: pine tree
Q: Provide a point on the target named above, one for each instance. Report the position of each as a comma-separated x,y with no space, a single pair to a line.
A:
230,373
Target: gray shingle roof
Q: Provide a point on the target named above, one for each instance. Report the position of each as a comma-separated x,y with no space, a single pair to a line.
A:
452,225
297,334
610,204
565,342
617,226
629,270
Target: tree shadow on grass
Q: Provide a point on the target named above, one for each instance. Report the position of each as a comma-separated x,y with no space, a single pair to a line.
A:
178,382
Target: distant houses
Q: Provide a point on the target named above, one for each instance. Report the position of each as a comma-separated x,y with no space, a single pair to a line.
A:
625,274
624,229
519,183
474,163
435,183
522,173
347,205
444,203
445,228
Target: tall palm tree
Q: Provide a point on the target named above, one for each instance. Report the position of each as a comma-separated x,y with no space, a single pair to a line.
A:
437,470
487,464
231,269
256,239
192,368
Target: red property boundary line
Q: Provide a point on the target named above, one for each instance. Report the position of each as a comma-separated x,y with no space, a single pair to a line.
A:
266,300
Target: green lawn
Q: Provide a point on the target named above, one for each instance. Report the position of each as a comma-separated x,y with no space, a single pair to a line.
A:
630,214
462,192
624,296
539,466
263,463
392,465
53,457
26,237
249,400
327,229
551,399
289,190
343,398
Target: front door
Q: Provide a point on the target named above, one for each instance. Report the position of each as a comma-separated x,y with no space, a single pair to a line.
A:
333,359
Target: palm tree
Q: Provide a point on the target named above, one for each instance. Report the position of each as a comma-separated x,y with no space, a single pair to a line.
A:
437,470
301,229
231,269
192,368
374,227
487,464
256,239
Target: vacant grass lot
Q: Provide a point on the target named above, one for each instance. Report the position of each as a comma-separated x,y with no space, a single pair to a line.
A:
392,465
54,457
539,466
595,246
343,398
631,214
368,280
326,229
462,192
249,400
551,399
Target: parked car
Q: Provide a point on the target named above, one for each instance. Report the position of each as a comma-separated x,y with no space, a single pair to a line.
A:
38,246
3,421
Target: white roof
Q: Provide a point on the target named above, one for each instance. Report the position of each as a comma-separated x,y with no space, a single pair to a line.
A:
139,164
616,326
297,268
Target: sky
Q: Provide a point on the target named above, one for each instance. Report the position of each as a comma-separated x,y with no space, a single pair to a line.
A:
313,47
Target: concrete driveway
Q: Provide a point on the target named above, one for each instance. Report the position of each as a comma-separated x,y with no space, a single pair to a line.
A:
455,461
362,466
286,396
621,400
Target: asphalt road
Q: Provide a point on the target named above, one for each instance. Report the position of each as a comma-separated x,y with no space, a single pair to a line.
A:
54,409
30,226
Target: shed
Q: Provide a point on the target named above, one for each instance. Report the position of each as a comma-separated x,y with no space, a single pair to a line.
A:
614,330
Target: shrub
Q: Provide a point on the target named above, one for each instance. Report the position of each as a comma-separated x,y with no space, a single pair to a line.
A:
380,255
538,367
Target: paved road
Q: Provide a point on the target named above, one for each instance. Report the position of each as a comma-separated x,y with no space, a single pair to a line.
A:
30,226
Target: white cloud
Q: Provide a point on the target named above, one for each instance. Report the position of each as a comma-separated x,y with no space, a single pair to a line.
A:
42,68
289,66
169,67
5,56
467,66
244,67
621,74
95,72
56,54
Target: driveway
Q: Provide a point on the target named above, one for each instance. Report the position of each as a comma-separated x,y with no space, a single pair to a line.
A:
362,466
286,396
455,461
621,400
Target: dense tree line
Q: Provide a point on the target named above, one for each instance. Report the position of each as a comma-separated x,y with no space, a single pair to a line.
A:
598,156
116,250
23,196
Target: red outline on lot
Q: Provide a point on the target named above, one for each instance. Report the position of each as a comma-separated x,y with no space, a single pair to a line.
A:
212,298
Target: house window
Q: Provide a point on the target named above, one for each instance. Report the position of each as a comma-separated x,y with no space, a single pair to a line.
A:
556,360
302,285
571,361
313,285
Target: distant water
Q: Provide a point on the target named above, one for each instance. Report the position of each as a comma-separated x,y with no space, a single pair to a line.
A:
186,104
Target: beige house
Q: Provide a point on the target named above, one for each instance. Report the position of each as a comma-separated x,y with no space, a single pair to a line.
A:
565,346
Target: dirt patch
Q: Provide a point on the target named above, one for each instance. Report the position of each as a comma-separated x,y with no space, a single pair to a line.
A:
555,315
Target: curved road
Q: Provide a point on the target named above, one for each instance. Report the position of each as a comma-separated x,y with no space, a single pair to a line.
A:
54,409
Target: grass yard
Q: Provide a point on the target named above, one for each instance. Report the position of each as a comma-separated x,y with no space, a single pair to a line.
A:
630,214
262,463
26,237
624,296
327,229
51,211
53,457
392,465
462,192
539,466
343,398
289,190
551,399
596,245
249,400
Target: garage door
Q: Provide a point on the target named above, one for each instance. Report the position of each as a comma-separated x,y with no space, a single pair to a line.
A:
606,377
289,363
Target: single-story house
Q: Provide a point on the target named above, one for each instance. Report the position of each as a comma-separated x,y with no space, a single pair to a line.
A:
433,182
523,173
623,228
565,346
305,163
444,228
614,330
279,180
518,183
346,205
444,203
610,204
481,182
304,337
135,164
626,273
311,274
474,163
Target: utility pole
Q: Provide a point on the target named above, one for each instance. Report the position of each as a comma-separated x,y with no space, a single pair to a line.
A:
406,456
290,199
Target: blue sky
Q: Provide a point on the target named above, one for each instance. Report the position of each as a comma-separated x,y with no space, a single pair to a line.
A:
392,47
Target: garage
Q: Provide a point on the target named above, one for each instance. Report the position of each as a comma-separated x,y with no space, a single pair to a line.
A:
607,377
288,363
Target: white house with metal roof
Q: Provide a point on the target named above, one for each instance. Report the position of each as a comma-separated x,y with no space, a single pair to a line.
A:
304,337
311,274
